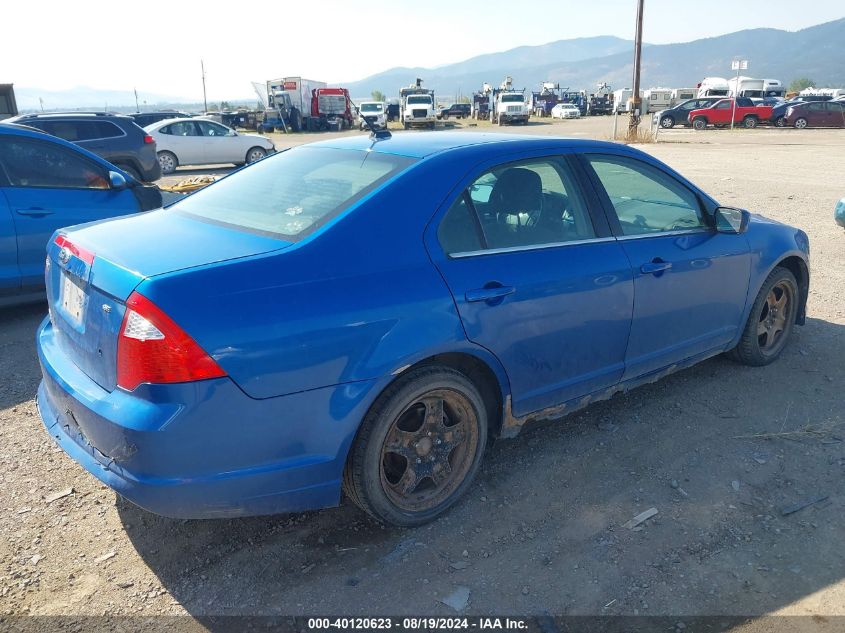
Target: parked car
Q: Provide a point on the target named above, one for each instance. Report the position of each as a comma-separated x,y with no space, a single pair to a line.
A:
203,142
114,137
148,118
815,114
720,114
679,114
47,183
457,110
565,111
839,213
285,333
779,111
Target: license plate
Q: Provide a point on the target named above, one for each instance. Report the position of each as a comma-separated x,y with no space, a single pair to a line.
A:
72,299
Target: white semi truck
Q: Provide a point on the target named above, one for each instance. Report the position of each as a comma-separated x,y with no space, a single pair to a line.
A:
755,88
713,87
508,105
416,106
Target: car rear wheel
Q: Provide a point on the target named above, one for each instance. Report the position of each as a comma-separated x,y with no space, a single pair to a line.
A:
771,320
254,154
750,122
780,122
699,123
168,162
800,123
419,447
667,122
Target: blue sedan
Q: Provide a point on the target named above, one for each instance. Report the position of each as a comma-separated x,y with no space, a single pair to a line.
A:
361,314
47,183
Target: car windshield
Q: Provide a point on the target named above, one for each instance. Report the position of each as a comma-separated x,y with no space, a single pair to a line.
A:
512,98
371,107
293,193
420,99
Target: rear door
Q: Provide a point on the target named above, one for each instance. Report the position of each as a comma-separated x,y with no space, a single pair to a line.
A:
50,186
537,278
184,139
219,145
690,282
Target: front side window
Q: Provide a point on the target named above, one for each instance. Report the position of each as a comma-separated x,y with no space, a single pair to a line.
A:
212,129
35,164
293,193
724,105
517,205
645,199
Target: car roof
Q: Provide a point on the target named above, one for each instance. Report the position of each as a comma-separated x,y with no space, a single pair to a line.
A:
83,116
424,144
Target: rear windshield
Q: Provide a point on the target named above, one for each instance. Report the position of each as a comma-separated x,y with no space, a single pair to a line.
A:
294,193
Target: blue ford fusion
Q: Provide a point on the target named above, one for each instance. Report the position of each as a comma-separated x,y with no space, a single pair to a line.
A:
360,315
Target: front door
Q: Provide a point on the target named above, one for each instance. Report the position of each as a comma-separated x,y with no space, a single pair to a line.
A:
536,281
49,187
219,145
690,282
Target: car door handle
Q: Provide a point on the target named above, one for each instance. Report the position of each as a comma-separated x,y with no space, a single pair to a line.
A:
655,266
490,293
35,212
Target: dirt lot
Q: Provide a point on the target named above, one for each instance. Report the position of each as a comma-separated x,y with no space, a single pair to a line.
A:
542,529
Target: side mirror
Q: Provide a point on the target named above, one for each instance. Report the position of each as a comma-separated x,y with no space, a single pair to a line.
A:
117,181
730,220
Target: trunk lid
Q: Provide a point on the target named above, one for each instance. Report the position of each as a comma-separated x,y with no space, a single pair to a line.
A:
86,294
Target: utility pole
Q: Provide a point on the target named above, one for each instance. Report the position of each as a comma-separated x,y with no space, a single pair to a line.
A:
204,99
634,122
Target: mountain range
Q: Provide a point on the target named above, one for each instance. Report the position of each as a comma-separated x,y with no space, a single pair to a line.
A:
815,52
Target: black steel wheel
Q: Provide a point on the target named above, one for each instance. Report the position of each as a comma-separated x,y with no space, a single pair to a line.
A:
771,320
419,447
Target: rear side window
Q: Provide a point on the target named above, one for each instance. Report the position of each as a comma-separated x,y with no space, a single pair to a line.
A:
294,193
79,130
36,164
517,205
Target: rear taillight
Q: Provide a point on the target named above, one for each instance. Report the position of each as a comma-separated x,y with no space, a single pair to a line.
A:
152,348
65,244
148,139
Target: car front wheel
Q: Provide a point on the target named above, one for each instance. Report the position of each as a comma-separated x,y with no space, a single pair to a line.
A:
771,320
667,122
419,447
168,162
254,154
699,123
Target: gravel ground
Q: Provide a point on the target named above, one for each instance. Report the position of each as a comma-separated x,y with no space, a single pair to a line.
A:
719,450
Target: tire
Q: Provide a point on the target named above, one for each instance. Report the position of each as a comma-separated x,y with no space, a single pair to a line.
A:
407,418
699,123
800,123
295,120
129,169
254,154
407,126
770,323
168,162
432,125
667,123
749,122
780,122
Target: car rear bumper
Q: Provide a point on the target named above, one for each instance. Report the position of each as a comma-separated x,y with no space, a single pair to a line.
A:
202,449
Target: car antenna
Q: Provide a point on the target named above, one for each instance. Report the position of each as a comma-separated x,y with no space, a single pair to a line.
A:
376,135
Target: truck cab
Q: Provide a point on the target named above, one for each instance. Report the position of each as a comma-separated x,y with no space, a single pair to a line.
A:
417,108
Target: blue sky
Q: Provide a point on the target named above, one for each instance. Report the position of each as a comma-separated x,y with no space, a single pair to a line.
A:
157,48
